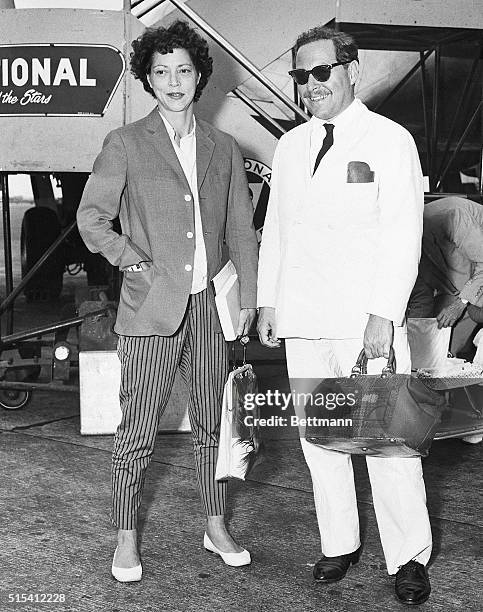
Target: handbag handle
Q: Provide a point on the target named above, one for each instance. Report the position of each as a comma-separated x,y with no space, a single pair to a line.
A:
360,367
244,340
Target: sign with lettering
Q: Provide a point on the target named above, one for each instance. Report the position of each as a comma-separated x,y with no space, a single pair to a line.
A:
60,80
259,176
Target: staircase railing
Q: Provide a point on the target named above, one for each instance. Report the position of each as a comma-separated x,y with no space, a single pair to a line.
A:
257,108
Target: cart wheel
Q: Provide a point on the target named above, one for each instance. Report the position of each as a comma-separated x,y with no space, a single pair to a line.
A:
14,399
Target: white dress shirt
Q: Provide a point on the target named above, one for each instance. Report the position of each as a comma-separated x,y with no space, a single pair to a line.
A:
186,153
336,249
318,131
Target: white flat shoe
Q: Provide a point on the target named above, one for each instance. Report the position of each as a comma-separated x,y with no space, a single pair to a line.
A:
127,574
233,559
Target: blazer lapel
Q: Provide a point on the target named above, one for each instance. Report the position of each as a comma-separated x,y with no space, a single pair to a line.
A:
204,147
204,152
163,144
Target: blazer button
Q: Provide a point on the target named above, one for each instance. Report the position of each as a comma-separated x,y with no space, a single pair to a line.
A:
188,268
187,198
189,235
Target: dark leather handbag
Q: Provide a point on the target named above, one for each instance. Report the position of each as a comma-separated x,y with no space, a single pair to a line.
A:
387,415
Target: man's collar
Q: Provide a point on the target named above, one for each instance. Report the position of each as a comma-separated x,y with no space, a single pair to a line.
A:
342,119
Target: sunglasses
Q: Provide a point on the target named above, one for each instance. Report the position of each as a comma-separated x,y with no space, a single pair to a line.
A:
320,73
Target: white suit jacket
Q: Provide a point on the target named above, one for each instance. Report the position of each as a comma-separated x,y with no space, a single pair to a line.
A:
346,242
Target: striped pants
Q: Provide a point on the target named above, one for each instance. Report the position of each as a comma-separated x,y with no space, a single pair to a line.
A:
148,367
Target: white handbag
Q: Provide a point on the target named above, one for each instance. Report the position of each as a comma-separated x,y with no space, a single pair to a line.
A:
239,438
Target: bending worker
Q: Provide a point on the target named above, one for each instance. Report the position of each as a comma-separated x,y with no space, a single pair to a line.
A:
450,276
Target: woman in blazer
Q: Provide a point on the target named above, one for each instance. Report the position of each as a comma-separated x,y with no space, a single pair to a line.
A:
179,188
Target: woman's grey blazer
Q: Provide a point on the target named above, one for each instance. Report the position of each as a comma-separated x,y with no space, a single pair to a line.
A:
137,176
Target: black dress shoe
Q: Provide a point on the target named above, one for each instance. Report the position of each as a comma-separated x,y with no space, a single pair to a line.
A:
412,583
332,569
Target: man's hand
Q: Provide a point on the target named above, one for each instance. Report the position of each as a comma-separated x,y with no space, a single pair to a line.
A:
266,327
378,337
449,315
245,320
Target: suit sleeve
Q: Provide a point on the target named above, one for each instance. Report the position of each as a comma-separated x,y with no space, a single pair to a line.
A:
101,202
240,233
401,202
270,248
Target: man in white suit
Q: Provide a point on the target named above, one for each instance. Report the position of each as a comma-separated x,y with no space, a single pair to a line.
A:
339,257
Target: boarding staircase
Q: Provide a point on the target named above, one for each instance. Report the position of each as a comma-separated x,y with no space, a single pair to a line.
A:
407,57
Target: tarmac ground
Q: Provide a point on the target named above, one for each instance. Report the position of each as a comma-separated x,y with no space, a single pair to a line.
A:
57,540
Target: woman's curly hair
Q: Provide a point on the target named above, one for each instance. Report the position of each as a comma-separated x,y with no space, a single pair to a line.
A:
178,35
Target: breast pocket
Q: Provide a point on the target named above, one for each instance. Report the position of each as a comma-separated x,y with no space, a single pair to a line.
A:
362,193
359,202
215,186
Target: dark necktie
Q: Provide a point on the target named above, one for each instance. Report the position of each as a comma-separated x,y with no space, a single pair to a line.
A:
328,142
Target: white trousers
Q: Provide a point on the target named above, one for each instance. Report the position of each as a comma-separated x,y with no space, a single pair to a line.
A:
397,484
